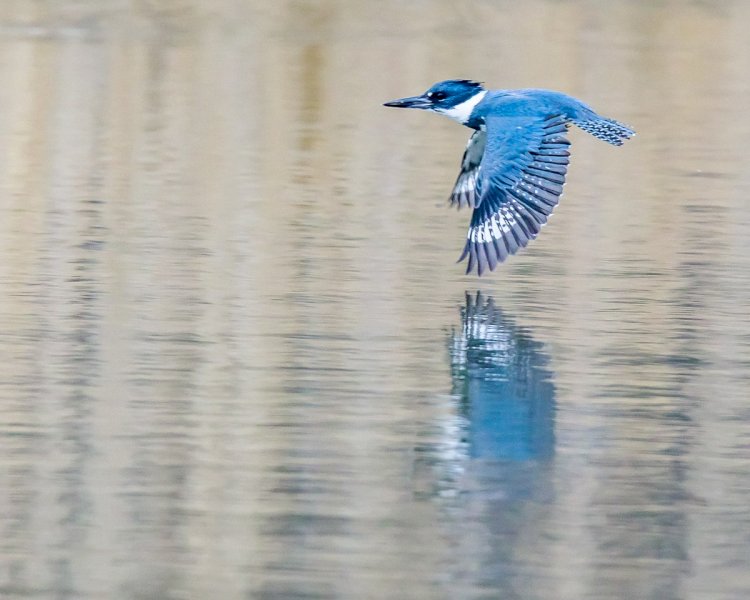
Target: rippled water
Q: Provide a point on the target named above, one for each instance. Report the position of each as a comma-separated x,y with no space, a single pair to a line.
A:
238,360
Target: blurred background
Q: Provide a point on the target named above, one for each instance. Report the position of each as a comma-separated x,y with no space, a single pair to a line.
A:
238,360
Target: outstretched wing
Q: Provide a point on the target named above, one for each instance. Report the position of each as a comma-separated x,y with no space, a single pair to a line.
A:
519,183
464,190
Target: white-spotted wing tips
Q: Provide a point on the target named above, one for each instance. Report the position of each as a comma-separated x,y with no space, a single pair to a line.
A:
510,215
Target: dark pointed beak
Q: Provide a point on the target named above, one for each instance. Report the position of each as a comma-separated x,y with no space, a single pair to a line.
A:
412,102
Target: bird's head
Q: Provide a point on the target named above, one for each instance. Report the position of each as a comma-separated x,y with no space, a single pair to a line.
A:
455,98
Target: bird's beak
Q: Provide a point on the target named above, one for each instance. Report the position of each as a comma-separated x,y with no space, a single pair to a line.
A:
411,102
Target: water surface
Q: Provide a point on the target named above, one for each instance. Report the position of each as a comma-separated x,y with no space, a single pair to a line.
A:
238,360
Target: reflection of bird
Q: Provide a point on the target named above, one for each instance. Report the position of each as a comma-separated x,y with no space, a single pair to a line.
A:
514,167
501,376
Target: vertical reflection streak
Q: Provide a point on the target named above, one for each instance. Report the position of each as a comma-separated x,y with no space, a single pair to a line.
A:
492,468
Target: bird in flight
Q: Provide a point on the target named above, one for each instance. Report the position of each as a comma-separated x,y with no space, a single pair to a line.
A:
513,170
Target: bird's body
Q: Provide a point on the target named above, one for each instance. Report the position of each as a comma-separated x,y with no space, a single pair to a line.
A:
513,170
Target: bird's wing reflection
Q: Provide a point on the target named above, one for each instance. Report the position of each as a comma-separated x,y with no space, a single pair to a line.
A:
504,387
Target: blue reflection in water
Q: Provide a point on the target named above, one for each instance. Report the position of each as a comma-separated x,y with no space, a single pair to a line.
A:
490,460
504,387
500,438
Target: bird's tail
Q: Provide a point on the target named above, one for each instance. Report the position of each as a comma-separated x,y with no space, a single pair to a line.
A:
609,130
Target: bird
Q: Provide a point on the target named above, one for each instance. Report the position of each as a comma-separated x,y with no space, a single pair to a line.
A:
514,166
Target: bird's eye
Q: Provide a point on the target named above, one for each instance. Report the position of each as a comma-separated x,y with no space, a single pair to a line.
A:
437,95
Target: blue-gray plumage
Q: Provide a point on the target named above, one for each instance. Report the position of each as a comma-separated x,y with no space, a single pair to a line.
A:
513,170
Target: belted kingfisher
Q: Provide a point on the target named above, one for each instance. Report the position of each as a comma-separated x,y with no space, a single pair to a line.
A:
513,170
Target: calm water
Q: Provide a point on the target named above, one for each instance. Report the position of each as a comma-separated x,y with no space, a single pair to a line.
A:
237,359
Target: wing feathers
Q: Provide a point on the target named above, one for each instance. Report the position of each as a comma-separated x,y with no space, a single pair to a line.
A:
512,175
465,189
514,191
548,175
